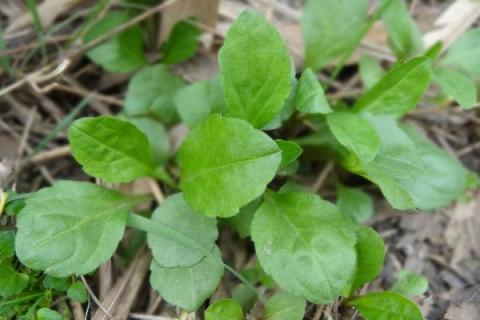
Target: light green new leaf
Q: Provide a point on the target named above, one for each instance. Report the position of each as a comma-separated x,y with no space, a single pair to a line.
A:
370,71
48,314
243,220
224,309
370,255
386,305
157,136
218,157
188,287
7,244
290,151
77,292
152,91
464,53
175,213
399,90
410,284
310,97
11,281
330,29
457,85
404,36
355,133
256,70
442,180
111,149
305,244
71,227
182,43
197,101
354,203
284,306
123,52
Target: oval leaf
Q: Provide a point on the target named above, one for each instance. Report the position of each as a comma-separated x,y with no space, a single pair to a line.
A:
310,97
224,309
71,228
11,281
464,53
175,213
457,85
188,287
305,244
284,306
355,203
216,160
256,70
111,149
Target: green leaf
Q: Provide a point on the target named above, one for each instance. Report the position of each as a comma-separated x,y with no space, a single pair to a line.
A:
393,191
284,306
152,91
11,281
218,157
123,52
464,53
290,151
410,284
157,136
7,244
354,203
440,182
224,309
48,314
386,305
310,97
71,227
77,292
370,255
175,213
457,85
330,29
111,149
182,43
188,287
244,295
404,36
199,100
243,220
355,133
305,244
370,71
399,90
60,284
256,70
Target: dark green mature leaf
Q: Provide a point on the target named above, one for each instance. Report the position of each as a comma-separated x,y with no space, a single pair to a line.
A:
111,149
457,85
11,281
157,136
410,284
71,227
152,91
60,284
224,309
123,52
188,287
370,71
355,203
404,36
330,29
290,151
386,305
48,314
399,90
464,53
77,292
256,70
284,306
182,43
175,213
7,244
355,133
243,220
305,244
199,100
440,182
310,97
216,160
370,255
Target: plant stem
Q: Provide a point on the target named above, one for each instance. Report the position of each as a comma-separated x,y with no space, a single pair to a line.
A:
22,299
244,280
